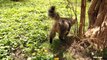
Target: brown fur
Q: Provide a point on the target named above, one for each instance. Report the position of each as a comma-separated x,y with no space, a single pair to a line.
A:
61,25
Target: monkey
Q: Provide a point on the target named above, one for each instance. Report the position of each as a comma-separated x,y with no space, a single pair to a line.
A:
61,25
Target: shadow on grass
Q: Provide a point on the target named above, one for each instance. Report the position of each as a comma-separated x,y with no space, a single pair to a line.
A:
58,47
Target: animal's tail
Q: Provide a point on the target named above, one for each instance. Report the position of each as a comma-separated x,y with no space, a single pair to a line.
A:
52,13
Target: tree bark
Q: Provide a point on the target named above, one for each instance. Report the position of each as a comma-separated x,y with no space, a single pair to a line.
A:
95,40
99,29
91,13
82,18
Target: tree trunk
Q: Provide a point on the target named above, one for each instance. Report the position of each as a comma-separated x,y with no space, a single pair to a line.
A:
98,23
82,18
95,40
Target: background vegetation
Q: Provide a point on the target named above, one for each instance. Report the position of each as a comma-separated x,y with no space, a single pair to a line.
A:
24,28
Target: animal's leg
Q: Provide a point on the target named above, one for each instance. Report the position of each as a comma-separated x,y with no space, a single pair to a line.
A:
52,35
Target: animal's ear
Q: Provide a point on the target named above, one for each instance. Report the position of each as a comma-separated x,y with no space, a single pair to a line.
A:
52,7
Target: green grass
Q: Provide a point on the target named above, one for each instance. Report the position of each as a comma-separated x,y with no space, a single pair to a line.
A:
25,25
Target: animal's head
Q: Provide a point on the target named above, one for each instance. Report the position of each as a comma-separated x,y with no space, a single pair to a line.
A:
53,14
